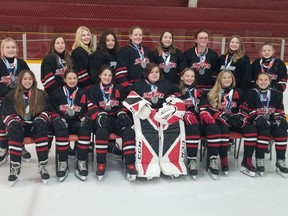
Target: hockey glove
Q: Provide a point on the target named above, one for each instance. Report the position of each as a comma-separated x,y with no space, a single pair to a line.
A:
86,122
190,118
226,119
59,123
207,118
261,122
16,129
103,120
281,122
124,120
39,126
240,120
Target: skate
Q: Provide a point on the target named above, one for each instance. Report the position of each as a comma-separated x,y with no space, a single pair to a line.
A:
15,168
100,170
62,171
224,165
131,172
247,167
192,167
81,170
260,166
26,155
3,156
213,170
43,171
281,168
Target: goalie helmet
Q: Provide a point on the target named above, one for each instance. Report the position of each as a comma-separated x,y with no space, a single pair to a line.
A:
171,112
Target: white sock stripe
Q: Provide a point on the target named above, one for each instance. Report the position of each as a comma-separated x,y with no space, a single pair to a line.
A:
15,148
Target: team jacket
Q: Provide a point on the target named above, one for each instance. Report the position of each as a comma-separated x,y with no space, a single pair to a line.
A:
211,65
52,72
5,77
255,108
81,61
164,89
277,73
99,59
60,105
129,65
240,69
118,95
10,114
176,64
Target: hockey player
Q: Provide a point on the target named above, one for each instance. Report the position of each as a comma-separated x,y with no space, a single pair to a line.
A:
237,62
132,59
82,51
106,54
110,116
69,105
203,60
266,112
25,112
169,58
55,64
10,67
160,147
275,67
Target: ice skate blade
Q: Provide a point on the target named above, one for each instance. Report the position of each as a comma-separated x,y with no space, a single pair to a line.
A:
5,160
213,176
82,178
131,177
247,172
100,177
12,183
61,179
26,160
45,181
226,173
194,177
261,174
284,175
149,178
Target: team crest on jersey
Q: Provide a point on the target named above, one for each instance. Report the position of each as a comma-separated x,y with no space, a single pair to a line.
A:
170,65
273,76
188,102
60,72
232,105
6,79
203,65
139,61
64,108
263,110
112,102
149,95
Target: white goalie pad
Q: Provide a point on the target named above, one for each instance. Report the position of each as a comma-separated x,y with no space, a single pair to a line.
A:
137,105
172,149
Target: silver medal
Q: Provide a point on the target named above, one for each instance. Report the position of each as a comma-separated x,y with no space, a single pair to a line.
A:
108,108
267,116
202,71
143,64
166,69
71,112
27,117
12,84
154,100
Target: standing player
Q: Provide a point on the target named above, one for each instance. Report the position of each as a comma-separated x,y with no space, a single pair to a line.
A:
169,58
203,60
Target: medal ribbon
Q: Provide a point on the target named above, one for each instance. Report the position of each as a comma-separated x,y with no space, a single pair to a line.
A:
267,67
191,96
227,65
26,101
106,96
61,63
140,50
166,58
227,98
12,68
265,100
70,98
201,57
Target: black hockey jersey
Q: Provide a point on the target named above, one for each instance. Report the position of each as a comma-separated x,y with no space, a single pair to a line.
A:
206,67
129,63
277,71
99,59
170,64
156,93
240,69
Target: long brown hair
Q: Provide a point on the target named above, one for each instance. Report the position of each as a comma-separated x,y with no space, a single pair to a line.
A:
171,49
240,52
36,101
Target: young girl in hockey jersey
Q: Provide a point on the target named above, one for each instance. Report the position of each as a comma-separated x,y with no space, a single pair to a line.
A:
237,62
266,112
110,116
169,58
132,59
25,112
55,63
106,54
69,105
10,67
82,51
197,121
203,60
275,67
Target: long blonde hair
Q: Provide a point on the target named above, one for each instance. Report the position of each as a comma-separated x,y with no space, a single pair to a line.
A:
4,42
78,40
215,94
37,102
240,52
